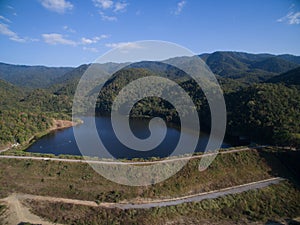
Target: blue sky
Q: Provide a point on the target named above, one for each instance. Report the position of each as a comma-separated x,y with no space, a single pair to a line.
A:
73,32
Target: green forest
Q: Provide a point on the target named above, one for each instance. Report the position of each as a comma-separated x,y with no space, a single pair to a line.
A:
261,91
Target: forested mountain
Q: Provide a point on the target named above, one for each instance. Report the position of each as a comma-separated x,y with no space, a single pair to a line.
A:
23,114
268,113
9,94
291,77
274,65
150,106
31,76
67,84
264,112
290,58
242,66
249,67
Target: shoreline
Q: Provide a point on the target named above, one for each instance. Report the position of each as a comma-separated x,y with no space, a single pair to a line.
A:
62,124
56,125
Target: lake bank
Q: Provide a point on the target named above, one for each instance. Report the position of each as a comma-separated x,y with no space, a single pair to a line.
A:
56,126
63,142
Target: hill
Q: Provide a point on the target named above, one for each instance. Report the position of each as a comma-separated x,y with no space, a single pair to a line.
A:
31,76
269,113
274,65
244,67
247,67
291,77
25,114
9,94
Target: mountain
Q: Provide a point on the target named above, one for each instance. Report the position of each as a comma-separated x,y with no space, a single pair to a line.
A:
248,67
290,58
274,65
291,77
9,93
31,76
67,83
148,106
240,66
265,112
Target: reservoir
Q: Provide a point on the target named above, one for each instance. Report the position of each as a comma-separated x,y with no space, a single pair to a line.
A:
63,141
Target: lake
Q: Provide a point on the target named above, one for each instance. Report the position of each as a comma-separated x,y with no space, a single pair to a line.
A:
63,141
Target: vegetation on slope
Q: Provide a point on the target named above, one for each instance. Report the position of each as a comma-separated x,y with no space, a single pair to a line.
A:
291,77
80,181
268,204
267,113
23,115
31,76
247,67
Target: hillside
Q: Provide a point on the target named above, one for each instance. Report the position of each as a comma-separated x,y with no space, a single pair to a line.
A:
31,76
23,114
274,65
244,67
291,77
247,67
9,94
267,113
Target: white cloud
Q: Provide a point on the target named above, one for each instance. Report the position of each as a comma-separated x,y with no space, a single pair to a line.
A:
69,29
5,19
120,7
54,39
4,30
110,6
87,41
107,18
180,6
104,4
59,6
123,45
94,40
291,18
12,9
90,49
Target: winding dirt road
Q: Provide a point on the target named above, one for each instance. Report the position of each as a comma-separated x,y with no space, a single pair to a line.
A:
18,212
159,203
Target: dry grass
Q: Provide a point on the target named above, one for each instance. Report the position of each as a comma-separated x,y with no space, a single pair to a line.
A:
80,181
275,203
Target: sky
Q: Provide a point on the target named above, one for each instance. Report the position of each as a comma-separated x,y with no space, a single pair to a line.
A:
74,32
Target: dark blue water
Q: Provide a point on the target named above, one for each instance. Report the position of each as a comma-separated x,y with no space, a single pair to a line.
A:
63,141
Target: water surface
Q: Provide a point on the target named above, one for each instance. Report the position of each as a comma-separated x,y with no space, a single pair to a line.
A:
63,141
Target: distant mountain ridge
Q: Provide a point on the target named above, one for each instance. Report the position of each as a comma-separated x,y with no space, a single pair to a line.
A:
31,76
248,67
241,66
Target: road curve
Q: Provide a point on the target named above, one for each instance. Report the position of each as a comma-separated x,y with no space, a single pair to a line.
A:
160,203
123,163
202,196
